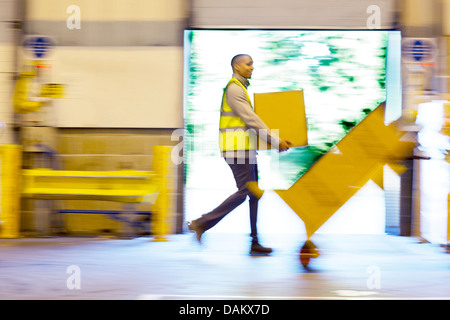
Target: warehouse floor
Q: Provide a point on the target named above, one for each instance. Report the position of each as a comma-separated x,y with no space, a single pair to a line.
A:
349,267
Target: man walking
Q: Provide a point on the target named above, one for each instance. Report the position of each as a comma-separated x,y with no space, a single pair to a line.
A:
239,126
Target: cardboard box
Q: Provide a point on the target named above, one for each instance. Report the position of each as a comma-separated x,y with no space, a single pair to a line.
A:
285,112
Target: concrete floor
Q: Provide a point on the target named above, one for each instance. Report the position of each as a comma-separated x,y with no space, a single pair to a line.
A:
349,267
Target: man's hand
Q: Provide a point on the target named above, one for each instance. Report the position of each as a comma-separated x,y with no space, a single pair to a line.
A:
284,145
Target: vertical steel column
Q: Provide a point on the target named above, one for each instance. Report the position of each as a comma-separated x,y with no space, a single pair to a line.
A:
161,208
11,190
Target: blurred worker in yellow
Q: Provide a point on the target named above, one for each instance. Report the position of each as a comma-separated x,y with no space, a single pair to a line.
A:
238,129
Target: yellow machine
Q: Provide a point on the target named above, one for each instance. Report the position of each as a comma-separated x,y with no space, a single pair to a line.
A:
22,100
125,186
33,91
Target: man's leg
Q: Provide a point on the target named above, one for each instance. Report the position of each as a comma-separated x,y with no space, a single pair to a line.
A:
253,206
256,248
242,173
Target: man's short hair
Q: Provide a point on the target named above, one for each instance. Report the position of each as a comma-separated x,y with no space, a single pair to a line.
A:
237,57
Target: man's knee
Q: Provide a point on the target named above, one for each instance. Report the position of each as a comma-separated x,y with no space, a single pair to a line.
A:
244,192
253,198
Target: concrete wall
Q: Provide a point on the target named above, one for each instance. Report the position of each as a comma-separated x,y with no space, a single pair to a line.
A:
122,71
120,61
326,14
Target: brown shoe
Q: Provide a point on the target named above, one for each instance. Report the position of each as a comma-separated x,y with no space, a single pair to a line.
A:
194,227
257,249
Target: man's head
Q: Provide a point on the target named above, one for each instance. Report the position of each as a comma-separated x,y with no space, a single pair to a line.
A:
242,64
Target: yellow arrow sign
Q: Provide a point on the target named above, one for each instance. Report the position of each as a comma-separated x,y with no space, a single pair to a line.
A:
340,173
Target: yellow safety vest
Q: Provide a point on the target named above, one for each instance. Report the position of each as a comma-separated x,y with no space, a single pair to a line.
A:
234,133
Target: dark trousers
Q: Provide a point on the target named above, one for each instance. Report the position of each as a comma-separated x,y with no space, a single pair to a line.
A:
243,173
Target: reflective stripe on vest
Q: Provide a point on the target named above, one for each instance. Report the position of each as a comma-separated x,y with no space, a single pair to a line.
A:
234,133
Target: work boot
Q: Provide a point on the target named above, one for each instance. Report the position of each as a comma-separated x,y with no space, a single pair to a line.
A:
257,249
194,227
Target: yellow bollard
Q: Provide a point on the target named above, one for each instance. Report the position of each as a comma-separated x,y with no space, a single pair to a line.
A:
11,183
447,158
448,223
161,208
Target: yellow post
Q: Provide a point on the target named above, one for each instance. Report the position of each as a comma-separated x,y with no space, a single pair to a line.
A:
161,208
448,222
11,173
447,158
